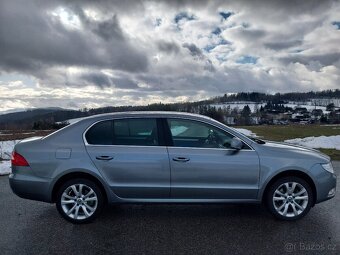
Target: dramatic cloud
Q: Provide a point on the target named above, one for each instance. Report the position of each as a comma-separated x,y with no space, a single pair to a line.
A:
94,53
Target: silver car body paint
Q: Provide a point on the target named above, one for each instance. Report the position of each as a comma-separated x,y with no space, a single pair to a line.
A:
148,173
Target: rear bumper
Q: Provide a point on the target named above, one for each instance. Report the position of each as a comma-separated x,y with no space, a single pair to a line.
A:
30,187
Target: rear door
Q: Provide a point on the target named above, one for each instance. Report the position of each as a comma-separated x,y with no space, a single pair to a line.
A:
203,166
131,155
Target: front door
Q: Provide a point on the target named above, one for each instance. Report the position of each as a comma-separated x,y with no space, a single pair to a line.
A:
128,154
203,166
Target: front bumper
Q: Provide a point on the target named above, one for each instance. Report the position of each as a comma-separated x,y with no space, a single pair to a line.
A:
30,187
325,183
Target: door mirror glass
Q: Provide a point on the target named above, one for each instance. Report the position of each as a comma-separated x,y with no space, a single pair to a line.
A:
236,144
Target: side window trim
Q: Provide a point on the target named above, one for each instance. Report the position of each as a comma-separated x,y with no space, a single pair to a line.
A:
167,132
171,144
161,132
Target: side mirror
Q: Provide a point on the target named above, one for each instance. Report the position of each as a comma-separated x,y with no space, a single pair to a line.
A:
236,144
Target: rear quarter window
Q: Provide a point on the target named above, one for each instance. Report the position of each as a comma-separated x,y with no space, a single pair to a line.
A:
100,133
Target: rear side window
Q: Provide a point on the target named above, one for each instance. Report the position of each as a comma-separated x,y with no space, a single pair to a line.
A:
142,132
100,133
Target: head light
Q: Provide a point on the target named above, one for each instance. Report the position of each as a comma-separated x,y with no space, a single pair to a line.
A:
328,167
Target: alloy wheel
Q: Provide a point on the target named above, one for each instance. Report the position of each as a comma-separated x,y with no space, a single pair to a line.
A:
290,199
79,201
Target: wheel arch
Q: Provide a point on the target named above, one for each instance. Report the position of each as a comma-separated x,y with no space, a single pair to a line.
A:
74,175
288,173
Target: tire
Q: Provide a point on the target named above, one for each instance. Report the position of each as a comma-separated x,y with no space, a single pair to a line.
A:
288,204
82,200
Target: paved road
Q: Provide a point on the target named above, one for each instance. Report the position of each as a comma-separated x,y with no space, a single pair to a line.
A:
29,227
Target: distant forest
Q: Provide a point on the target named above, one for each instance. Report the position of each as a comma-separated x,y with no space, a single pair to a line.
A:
279,97
47,118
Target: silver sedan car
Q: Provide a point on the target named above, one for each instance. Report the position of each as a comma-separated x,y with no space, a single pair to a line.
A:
166,157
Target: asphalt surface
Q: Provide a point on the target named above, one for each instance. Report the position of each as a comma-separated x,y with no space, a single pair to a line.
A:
29,227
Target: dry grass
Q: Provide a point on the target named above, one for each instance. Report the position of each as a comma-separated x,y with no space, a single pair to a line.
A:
6,135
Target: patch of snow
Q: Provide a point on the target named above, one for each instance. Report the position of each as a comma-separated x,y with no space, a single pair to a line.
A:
325,142
5,167
6,148
70,121
246,132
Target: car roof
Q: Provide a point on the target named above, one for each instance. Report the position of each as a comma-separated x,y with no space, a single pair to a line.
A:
158,114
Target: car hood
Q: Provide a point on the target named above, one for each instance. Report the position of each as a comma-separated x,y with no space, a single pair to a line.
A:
293,148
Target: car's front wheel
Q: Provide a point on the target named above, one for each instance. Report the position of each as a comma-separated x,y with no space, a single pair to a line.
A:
289,198
79,200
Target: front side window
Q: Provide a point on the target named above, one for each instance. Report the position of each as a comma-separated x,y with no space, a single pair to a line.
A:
188,133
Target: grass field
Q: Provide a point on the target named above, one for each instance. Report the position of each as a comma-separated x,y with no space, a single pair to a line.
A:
281,133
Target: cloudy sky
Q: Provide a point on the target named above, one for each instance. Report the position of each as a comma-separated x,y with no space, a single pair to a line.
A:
77,54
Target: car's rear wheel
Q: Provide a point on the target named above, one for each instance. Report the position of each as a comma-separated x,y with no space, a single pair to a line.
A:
79,200
289,198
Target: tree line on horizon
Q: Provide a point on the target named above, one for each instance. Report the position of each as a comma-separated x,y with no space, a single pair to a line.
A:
54,119
279,97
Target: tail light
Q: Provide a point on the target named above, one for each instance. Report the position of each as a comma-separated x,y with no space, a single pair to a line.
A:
18,160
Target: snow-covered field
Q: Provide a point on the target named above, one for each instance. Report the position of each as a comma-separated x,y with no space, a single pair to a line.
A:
6,148
246,132
325,142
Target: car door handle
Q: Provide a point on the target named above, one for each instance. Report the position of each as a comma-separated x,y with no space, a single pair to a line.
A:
180,159
104,157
